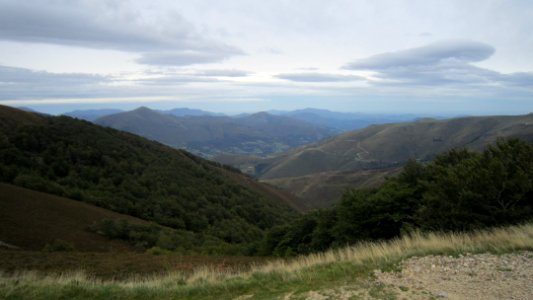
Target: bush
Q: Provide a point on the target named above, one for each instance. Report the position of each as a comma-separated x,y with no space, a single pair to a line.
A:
459,191
58,245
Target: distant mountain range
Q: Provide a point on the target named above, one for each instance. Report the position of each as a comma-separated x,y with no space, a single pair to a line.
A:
93,114
341,121
208,135
212,134
188,112
320,172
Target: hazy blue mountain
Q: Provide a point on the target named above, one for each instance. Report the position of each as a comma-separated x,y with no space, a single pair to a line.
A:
345,121
257,134
92,114
183,112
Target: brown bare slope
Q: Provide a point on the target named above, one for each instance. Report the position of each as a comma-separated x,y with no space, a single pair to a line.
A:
321,172
30,220
324,189
389,145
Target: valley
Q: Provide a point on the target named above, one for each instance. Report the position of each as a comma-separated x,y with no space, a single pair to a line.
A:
320,173
284,150
123,207
258,134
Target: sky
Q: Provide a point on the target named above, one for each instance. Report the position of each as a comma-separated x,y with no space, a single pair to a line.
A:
377,56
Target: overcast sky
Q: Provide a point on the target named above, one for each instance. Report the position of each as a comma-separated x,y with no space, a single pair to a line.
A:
427,56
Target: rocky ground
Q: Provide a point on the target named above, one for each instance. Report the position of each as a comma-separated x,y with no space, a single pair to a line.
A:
479,276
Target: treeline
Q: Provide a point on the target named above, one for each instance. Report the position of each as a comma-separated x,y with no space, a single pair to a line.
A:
134,176
458,191
156,238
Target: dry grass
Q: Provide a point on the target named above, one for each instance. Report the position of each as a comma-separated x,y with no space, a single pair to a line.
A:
304,268
496,240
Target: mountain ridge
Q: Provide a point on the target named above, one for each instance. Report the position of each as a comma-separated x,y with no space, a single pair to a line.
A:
319,173
258,134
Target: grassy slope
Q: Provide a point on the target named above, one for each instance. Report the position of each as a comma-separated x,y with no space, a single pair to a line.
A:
30,220
118,264
350,267
391,144
319,173
324,189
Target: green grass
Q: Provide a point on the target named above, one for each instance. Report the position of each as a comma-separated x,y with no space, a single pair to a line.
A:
323,272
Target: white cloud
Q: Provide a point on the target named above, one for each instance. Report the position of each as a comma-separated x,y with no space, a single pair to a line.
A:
444,64
318,77
162,37
186,57
12,76
441,52
222,73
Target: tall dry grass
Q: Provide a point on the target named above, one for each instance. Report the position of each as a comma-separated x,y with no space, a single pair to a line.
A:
498,240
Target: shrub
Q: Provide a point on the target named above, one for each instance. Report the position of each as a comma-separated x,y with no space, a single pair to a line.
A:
58,245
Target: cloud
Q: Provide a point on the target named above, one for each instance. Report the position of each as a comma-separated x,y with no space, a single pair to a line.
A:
17,83
318,77
443,52
187,57
222,73
172,80
115,25
18,76
445,64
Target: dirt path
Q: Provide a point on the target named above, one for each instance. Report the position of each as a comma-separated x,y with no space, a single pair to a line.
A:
482,276
472,277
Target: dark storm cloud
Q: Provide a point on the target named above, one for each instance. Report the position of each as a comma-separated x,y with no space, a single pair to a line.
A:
318,77
109,25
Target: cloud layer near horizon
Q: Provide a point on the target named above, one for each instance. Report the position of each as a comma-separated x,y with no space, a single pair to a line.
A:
361,50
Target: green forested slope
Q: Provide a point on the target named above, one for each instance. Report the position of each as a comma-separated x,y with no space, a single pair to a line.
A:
459,191
130,175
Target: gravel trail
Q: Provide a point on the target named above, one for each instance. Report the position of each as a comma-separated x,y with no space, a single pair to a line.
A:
480,276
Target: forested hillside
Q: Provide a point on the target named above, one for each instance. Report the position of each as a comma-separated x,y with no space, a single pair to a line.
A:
134,176
459,191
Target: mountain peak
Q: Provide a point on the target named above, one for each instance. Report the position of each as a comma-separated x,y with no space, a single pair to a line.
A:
261,114
143,109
